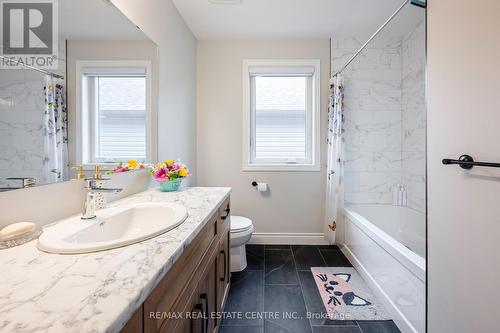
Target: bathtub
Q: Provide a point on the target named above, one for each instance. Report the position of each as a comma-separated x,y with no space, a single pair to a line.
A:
386,244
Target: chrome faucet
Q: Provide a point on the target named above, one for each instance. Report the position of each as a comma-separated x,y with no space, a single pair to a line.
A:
92,189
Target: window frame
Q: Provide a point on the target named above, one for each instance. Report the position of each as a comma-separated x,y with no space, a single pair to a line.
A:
274,68
85,113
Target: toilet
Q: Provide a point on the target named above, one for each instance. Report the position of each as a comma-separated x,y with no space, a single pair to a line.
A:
241,232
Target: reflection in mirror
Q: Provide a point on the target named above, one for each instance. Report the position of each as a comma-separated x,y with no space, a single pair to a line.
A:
96,107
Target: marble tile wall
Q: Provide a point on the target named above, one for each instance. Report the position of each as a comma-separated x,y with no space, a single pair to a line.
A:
373,118
21,115
414,116
384,117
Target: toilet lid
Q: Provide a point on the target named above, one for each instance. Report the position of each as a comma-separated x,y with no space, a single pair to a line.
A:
240,223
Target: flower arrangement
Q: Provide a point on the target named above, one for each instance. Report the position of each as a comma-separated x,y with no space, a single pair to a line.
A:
127,166
169,174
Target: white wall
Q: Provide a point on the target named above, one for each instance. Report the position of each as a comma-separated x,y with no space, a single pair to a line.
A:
160,20
295,201
463,80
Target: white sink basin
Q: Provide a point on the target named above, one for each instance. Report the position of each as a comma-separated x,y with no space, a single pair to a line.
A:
114,227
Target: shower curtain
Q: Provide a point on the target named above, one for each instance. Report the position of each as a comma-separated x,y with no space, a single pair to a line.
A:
334,208
55,132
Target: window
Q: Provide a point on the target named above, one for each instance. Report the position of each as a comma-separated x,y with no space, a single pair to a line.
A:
115,115
119,118
281,129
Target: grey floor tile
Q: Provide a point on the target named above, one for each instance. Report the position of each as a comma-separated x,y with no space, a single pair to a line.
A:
327,247
376,326
286,326
280,267
241,329
246,295
255,257
288,303
278,247
336,329
335,258
307,256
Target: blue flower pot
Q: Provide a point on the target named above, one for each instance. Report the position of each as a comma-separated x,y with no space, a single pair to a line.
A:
171,185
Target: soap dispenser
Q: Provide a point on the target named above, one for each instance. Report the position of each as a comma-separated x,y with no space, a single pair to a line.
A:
404,196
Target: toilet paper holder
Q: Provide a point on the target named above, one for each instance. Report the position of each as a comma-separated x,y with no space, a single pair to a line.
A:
260,187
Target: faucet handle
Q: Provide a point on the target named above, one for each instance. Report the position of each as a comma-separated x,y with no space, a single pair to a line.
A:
92,182
80,174
97,171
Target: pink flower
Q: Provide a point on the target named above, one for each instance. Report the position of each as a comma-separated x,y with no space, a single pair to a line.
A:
161,175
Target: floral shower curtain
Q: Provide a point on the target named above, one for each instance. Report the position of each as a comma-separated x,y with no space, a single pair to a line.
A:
55,132
335,171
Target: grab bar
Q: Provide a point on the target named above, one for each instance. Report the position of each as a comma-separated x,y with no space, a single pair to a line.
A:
467,162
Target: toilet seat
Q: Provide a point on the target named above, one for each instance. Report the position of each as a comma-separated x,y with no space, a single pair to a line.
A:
240,224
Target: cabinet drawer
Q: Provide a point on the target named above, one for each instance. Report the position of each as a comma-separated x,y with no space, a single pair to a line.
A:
171,292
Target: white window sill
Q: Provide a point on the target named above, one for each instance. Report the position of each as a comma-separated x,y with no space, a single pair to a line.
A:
281,167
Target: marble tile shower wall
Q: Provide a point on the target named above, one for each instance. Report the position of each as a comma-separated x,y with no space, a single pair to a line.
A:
384,117
373,118
414,117
21,115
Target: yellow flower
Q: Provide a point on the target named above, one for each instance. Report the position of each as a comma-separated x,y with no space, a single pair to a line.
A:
169,162
159,165
133,164
183,172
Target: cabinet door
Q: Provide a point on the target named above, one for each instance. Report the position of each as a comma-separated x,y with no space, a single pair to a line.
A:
207,290
224,270
191,318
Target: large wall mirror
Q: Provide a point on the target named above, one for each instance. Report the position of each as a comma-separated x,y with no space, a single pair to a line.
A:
97,106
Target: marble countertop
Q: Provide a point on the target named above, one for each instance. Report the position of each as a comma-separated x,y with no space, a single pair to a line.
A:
96,292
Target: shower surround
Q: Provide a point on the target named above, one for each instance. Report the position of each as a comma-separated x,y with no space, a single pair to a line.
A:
21,130
384,106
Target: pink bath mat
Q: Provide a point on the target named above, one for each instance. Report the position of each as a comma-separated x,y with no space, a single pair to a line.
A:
345,295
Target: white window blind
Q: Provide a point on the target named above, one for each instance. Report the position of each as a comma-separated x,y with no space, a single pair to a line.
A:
120,118
281,118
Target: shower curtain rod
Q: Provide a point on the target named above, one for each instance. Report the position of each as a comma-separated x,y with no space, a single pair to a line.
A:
372,37
16,62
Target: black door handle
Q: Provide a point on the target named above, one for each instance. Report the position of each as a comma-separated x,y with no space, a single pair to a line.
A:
223,279
204,297
467,162
199,308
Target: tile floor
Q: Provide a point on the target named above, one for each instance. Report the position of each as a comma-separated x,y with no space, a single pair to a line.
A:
278,280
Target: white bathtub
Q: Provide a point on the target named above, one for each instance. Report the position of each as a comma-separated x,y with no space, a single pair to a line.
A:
387,246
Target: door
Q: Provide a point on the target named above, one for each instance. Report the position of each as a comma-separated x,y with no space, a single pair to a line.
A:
463,205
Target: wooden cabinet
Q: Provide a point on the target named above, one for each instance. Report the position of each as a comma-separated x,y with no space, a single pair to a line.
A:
192,294
223,260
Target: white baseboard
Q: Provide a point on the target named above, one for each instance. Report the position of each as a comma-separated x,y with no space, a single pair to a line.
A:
288,238
400,320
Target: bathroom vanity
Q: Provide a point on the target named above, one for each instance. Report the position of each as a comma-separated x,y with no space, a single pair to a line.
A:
193,292
169,283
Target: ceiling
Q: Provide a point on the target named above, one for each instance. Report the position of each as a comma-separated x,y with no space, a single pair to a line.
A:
95,19
294,18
